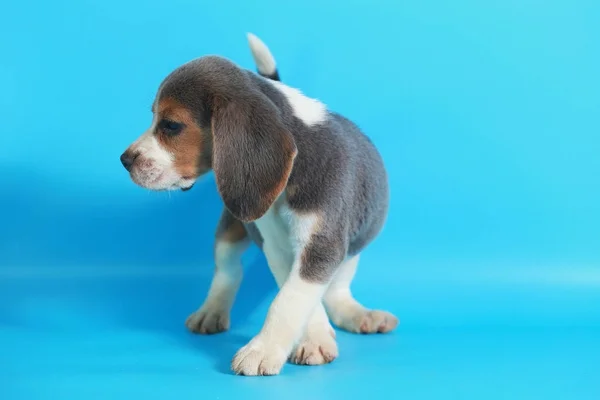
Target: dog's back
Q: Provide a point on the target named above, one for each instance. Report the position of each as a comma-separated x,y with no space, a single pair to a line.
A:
337,164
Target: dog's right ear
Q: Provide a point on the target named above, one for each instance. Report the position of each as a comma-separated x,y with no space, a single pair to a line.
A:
253,154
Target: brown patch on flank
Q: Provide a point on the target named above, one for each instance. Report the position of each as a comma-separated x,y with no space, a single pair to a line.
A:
190,145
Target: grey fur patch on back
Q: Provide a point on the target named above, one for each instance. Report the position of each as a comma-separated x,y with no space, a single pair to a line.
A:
337,170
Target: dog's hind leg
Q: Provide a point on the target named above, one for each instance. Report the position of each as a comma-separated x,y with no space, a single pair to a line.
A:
346,312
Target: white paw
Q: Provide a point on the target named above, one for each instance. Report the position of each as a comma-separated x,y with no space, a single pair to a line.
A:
317,347
259,358
208,320
375,321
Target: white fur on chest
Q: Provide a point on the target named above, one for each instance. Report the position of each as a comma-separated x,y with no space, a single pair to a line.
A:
285,231
275,230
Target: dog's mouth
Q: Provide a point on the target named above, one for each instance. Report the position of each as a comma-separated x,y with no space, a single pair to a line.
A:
159,180
188,181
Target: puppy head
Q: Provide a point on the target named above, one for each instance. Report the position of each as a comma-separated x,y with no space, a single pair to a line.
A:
169,155
209,115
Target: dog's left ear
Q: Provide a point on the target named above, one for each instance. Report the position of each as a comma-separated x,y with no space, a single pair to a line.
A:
253,154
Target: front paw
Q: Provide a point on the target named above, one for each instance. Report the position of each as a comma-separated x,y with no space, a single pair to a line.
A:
259,358
208,320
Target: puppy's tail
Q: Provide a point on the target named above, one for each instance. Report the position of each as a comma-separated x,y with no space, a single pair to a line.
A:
265,62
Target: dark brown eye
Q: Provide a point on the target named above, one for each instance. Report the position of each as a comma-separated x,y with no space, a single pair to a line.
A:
170,127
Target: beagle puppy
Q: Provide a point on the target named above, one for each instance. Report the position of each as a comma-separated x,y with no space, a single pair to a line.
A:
300,181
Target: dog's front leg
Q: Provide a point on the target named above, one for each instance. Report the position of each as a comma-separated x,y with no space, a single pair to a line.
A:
290,311
231,243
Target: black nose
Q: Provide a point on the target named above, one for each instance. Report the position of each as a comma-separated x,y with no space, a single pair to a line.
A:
127,159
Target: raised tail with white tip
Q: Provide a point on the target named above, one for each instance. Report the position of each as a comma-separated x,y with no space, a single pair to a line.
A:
265,62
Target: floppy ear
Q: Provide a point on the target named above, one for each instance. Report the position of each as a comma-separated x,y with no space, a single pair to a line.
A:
253,155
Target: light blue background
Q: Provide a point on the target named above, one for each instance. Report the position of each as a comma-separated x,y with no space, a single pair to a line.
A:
487,114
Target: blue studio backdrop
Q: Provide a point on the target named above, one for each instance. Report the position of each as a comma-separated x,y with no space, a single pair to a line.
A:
487,116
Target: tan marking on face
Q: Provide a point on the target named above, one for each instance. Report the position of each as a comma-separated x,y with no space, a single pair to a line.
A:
187,146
